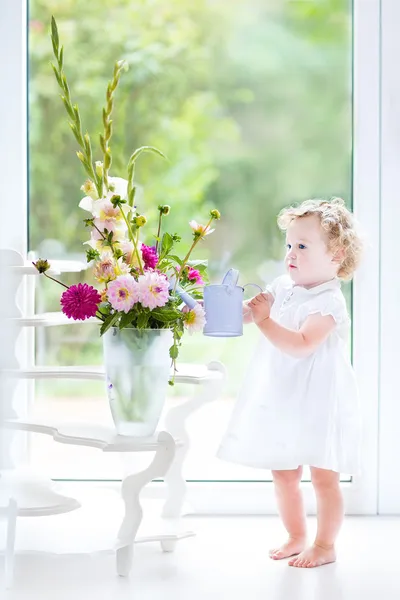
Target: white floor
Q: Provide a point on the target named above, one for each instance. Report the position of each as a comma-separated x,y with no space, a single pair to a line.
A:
228,558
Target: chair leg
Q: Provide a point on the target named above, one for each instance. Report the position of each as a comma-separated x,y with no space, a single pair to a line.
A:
10,543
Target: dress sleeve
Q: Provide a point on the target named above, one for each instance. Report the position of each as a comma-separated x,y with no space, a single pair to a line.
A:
326,304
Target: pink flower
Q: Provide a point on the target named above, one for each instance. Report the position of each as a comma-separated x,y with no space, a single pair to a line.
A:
80,302
153,289
122,293
150,256
195,276
109,224
105,269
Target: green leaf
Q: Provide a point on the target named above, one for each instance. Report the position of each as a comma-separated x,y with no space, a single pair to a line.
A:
143,320
126,319
198,264
92,254
165,316
56,74
166,244
139,151
54,31
175,258
109,322
173,352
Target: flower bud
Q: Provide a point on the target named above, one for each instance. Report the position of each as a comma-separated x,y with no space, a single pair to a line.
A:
42,265
215,214
164,209
89,189
99,168
140,221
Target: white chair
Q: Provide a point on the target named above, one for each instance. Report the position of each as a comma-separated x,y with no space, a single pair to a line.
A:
10,513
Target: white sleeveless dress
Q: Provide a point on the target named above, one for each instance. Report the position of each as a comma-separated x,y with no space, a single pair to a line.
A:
299,411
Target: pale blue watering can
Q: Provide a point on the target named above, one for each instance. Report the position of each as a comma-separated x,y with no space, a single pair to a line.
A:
223,305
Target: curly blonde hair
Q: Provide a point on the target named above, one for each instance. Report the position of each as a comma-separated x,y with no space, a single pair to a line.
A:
340,225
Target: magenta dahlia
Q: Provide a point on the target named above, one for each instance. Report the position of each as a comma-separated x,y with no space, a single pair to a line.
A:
150,256
79,302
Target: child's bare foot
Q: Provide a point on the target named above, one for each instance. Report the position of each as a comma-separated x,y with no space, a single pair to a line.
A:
291,548
316,556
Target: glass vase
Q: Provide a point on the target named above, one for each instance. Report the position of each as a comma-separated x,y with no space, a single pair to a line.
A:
137,366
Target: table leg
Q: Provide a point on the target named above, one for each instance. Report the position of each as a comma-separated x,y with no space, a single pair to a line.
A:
132,486
10,543
175,422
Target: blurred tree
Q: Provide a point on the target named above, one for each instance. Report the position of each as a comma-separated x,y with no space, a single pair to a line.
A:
165,99
250,100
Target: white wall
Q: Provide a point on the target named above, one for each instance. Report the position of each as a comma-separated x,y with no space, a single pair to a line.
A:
389,418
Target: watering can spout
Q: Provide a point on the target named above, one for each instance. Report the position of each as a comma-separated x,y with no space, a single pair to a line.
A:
185,297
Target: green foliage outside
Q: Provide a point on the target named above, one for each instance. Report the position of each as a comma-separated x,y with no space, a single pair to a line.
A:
249,99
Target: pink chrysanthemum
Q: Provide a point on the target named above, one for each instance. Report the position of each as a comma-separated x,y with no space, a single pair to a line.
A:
195,276
153,289
79,302
122,293
150,256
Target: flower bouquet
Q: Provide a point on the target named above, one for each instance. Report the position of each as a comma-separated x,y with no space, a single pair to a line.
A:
138,305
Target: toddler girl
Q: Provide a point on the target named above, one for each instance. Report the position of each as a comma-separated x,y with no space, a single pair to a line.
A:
299,403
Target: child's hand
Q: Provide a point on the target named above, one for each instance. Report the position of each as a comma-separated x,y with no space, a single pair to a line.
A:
260,306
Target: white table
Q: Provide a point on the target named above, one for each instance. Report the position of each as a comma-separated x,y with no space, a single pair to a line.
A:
36,498
48,501
22,493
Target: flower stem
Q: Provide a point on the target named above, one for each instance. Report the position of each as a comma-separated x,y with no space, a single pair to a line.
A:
159,229
107,122
132,236
195,242
73,112
56,280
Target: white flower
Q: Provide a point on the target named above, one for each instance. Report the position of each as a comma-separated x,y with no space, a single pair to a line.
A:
201,230
104,209
118,228
120,186
195,319
97,241
90,189
86,203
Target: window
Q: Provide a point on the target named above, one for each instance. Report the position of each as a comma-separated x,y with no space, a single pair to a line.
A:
252,103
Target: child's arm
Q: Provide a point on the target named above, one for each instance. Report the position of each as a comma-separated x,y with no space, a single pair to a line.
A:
303,342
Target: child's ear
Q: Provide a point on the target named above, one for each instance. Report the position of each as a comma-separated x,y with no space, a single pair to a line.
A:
339,256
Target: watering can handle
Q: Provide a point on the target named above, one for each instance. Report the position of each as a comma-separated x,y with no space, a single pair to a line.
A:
255,285
231,278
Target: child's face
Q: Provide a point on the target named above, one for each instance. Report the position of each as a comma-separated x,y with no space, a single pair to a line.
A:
308,259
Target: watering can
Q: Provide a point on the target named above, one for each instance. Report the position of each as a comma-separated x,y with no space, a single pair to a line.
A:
223,306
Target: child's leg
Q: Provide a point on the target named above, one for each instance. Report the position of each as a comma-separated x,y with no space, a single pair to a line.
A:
291,510
329,519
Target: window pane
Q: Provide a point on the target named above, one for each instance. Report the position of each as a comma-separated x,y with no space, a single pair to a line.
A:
252,103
